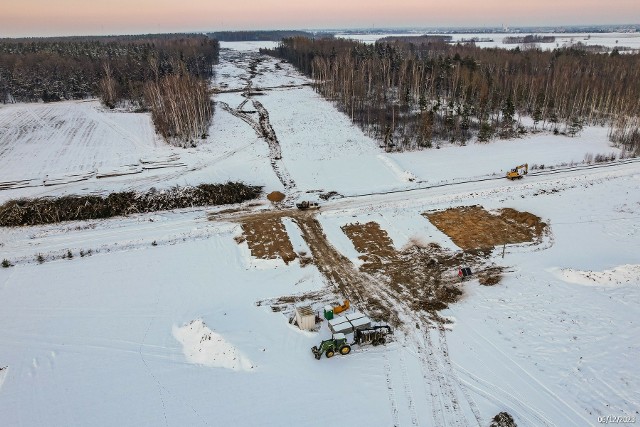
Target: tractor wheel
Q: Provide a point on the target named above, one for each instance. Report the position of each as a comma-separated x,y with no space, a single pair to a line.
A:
345,349
329,353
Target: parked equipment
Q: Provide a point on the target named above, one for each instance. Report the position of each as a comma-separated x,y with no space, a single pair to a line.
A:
464,272
340,308
518,172
337,343
304,205
375,335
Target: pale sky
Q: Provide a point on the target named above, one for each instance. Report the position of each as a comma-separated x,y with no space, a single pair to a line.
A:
79,17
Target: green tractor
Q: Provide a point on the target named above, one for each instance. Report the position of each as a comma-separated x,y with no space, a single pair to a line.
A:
338,343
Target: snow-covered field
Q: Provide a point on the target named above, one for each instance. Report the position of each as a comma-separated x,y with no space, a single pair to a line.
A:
161,324
487,40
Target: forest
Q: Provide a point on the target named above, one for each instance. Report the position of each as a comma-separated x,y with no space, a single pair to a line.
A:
412,94
250,36
166,74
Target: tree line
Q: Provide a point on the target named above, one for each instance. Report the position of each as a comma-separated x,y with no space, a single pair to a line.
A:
166,74
262,35
411,95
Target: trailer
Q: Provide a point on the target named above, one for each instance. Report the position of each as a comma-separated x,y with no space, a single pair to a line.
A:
374,335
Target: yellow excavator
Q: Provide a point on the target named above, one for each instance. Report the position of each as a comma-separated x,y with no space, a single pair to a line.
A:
518,172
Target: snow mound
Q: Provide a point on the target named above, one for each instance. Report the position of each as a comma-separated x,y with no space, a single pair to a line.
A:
202,346
628,274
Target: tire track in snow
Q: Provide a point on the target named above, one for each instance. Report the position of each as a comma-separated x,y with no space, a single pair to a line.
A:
446,362
407,391
144,338
390,391
526,373
495,394
446,393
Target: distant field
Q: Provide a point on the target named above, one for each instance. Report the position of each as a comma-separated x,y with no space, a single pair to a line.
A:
70,138
611,40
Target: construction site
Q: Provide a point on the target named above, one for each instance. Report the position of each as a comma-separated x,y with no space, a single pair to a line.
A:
486,284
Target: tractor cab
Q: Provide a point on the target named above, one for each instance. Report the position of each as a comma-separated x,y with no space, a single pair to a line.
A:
337,343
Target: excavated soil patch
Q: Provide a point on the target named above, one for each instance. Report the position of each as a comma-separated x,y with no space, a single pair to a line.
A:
372,242
424,276
472,227
267,238
421,278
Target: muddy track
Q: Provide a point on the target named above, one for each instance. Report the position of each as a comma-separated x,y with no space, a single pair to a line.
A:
443,386
335,267
275,152
263,128
243,116
429,338
266,88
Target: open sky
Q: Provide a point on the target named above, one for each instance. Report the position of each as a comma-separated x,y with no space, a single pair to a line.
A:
78,17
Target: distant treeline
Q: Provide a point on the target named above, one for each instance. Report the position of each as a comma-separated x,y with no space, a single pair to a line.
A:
250,36
132,70
531,38
412,95
416,39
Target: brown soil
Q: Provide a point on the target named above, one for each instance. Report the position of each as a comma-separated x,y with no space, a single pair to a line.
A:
275,196
424,276
267,238
420,278
491,276
472,227
372,242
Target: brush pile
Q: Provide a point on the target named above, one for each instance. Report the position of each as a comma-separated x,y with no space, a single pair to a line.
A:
74,208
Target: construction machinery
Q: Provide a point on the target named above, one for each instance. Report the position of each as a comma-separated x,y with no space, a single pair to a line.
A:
374,335
304,205
340,308
337,344
518,172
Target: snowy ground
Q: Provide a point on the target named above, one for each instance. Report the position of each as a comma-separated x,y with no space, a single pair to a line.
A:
610,40
169,333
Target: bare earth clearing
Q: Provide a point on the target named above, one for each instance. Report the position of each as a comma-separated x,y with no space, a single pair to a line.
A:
424,277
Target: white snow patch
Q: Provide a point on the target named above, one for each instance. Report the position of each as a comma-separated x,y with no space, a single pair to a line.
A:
628,274
403,175
295,236
202,346
3,374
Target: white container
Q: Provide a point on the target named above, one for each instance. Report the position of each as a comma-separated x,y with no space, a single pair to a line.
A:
354,316
361,323
336,320
341,328
305,317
